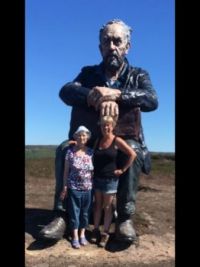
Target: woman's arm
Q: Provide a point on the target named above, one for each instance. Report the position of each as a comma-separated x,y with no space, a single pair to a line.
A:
124,147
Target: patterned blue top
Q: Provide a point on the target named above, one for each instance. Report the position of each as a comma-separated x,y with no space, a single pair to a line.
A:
80,169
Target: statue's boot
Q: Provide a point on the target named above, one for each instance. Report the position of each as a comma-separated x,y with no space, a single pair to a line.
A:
55,230
124,231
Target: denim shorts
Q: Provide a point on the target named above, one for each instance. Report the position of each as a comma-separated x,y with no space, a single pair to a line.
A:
108,186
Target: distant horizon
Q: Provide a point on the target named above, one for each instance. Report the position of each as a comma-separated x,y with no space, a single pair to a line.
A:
173,152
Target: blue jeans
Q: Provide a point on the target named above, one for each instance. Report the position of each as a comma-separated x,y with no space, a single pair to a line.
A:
78,208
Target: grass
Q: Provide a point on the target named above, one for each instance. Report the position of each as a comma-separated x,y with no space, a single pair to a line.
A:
163,166
40,162
40,167
38,152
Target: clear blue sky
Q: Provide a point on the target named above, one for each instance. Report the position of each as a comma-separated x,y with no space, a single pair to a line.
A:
61,36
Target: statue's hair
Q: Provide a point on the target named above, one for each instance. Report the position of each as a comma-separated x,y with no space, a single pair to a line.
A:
127,29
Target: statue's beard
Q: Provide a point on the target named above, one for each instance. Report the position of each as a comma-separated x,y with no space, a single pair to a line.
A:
113,62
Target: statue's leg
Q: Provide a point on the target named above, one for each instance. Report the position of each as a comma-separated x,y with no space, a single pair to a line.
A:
126,195
59,169
55,230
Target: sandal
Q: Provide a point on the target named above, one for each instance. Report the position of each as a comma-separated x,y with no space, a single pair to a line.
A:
104,240
83,241
75,243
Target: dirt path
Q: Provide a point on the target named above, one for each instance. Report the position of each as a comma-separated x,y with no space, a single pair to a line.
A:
154,223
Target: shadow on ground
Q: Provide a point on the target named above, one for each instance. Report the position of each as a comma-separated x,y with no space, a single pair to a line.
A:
114,246
35,220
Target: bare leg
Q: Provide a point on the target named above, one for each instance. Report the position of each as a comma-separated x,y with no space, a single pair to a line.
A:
98,208
107,203
82,232
97,216
83,240
75,240
75,234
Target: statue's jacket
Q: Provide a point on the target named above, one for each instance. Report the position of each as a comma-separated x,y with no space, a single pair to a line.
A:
137,94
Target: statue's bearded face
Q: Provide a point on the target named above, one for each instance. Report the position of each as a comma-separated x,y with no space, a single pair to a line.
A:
113,46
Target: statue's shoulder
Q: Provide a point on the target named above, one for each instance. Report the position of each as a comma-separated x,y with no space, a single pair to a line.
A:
89,69
137,72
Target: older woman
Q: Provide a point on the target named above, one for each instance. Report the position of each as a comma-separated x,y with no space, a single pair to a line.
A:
77,181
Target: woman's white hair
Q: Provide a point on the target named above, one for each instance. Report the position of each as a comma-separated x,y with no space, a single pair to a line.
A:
80,129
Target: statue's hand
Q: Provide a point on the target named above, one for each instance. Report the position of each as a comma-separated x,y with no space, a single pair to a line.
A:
93,97
98,94
105,98
109,108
